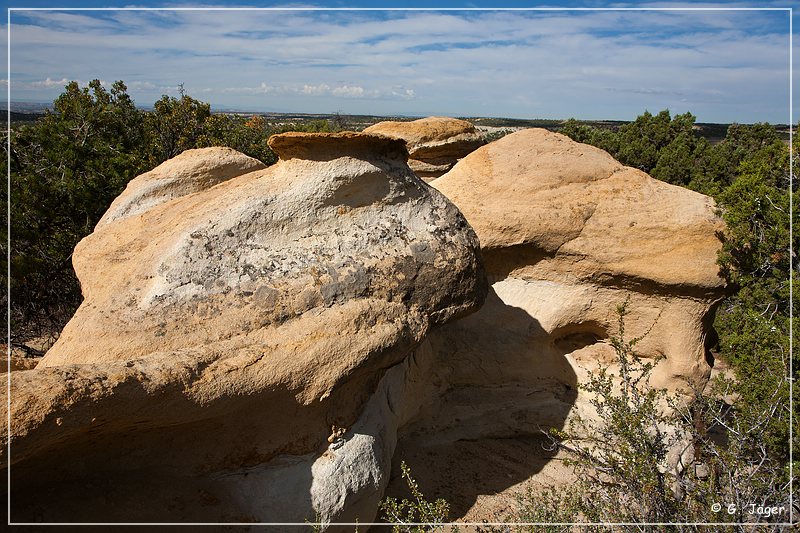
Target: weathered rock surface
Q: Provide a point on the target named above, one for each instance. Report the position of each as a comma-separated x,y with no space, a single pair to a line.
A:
434,143
226,328
582,216
15,362
581,233
567,235
190,171
262,347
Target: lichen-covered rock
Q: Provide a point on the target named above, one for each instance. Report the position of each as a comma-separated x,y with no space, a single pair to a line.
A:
224,332
339,224
434,143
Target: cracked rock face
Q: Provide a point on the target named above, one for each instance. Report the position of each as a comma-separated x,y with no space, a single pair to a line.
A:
435,144
229,323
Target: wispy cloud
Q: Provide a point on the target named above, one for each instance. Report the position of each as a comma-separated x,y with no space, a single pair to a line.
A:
320,89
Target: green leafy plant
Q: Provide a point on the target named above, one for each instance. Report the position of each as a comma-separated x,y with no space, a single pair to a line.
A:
649,458
417,515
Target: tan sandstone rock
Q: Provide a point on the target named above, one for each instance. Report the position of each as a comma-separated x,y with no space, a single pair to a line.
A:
567,234
11,362
225,330
582,233
434,143
188,172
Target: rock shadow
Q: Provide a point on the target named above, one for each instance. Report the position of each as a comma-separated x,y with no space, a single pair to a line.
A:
502,381
133,473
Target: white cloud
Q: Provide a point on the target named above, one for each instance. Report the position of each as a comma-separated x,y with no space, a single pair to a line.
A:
348,91
316,90
141,85
48,83
320,89
260,89
403,93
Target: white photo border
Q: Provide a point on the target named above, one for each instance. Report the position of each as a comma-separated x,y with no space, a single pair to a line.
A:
788,10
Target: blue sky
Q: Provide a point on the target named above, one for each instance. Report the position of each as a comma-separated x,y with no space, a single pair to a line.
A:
723,66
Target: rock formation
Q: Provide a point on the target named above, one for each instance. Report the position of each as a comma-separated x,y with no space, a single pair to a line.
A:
567,235
260,344
434,143
232,321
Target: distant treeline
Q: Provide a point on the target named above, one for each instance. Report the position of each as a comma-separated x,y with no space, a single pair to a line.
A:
711,131
19,118
714,132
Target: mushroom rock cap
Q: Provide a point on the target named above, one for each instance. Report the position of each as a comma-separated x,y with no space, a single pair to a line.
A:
434,143
427,131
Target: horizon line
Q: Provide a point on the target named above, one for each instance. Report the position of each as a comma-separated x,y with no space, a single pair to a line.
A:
227,109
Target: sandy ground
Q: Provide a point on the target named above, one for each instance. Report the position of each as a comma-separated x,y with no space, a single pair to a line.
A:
481,479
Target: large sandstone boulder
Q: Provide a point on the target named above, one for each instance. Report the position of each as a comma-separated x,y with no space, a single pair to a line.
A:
434,143
567,234
234,331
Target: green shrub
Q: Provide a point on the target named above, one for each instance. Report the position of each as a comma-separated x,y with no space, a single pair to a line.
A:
65,171
417,515
704,461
